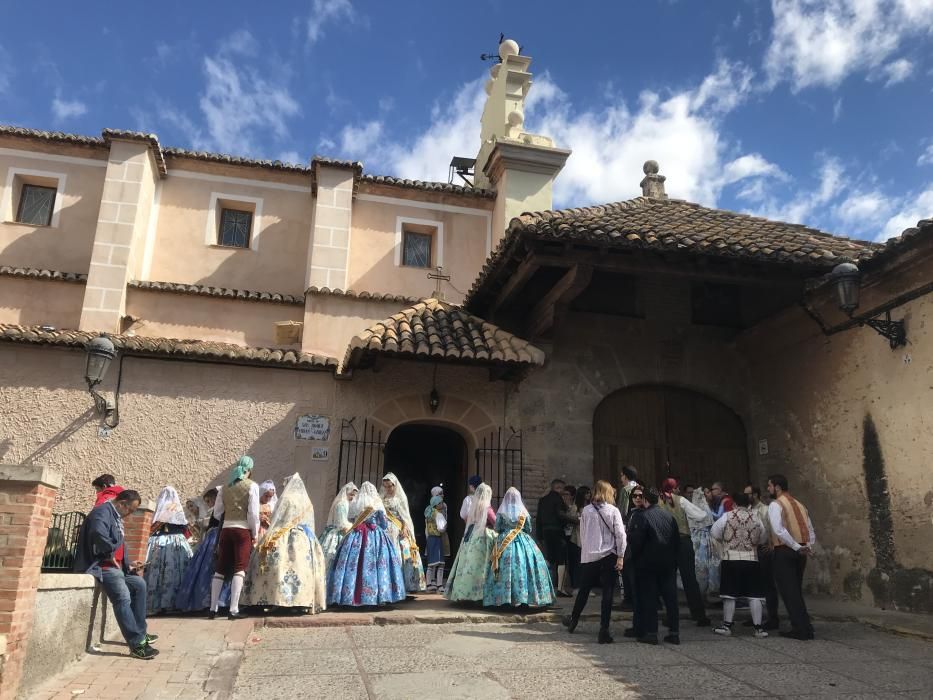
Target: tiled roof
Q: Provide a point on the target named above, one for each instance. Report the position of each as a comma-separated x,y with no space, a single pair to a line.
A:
436,330
41,274
221,292
149,139
196,350
908,237
56,136
337,163
442,187
373,296
238,160
676,226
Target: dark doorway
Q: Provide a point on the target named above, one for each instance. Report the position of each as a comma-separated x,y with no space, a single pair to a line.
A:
666,431
423,456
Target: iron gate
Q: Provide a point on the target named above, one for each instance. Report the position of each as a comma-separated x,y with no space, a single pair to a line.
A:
62,541
362,454
501,462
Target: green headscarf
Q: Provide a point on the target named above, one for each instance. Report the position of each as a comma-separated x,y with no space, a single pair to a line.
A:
435,501
244,465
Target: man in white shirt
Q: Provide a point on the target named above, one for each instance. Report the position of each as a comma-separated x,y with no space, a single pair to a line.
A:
793,538
765,557
472,484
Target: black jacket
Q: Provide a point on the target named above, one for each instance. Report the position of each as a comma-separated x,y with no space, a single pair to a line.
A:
552,513
99,539
653,539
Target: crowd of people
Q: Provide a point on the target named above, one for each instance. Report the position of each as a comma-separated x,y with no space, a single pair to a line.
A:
244,542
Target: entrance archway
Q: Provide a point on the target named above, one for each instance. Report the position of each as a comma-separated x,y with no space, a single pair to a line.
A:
667,431
422,456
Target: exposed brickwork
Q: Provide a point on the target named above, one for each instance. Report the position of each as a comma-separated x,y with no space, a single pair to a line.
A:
136,534
25,513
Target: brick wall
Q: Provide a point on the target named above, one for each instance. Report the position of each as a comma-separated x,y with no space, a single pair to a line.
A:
136,533
26,500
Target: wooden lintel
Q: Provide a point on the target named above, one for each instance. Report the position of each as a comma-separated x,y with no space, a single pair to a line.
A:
568,288
641,265
516,282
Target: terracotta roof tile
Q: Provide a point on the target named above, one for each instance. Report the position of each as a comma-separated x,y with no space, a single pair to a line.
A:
441,187
436,330
221,292
196,350
374,296
38,273
671,225
238,160
55,136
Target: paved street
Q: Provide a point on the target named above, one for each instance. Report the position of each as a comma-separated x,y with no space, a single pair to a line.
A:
492,661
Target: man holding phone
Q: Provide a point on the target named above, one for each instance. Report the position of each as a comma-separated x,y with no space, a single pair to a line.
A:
101,553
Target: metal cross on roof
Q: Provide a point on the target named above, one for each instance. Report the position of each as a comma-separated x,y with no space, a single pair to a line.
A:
439,277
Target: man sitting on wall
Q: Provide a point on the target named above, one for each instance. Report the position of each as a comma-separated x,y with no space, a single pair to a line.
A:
101,553
106,487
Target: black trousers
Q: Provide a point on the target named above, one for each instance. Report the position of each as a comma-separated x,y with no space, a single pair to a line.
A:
600,573
686,565
628,584
649,584
788,568
555,552
766,560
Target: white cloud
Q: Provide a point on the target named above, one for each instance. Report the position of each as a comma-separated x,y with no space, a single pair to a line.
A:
864,209
806,203
610,142
897,71
325,12
63,110
290,157
926,158
820,42
914,207
837,110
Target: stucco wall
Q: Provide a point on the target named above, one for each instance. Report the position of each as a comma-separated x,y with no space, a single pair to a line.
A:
847,420
166,315
66,247
181,253
331,321
62,626
39,302
373,241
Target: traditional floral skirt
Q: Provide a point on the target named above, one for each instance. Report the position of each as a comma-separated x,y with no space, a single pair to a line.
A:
468,573
523,577
331,538
368,569
706,559
194,591
289,573
167,559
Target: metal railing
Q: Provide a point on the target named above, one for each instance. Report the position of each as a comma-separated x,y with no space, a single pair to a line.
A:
62,541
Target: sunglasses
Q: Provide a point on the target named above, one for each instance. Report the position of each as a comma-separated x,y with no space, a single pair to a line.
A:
638,495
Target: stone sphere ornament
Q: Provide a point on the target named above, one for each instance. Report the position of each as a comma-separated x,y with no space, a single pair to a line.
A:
507,48
651,167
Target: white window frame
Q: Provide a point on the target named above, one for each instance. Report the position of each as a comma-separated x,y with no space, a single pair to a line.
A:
438,227
9,207
213,221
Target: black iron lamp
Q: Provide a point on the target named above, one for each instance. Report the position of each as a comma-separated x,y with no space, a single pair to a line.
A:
846,277
100,353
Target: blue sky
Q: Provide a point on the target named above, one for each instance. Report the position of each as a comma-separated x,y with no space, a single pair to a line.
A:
813,112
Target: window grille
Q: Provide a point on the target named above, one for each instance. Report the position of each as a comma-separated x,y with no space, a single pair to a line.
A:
417,249
235,228
35,205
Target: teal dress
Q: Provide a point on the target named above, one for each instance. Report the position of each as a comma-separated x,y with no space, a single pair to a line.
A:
467,577
523,577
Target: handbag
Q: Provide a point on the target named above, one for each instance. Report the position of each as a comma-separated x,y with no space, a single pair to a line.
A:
440,521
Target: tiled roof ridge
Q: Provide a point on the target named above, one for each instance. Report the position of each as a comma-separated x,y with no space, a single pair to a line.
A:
41,273
421,332
373,296
218,292
197,350
549,215
174,152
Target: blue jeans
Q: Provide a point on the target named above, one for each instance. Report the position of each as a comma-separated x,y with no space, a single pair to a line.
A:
127,595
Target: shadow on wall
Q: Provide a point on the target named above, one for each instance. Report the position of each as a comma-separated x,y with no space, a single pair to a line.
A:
892,585
29,250
59,438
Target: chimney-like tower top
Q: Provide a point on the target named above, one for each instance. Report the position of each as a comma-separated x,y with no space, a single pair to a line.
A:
652,185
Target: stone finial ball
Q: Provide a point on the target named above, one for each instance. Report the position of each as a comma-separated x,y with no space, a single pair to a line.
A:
651,167
515,118
507,48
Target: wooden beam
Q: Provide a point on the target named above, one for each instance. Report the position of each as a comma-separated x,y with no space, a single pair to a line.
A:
641,266
516,282
568,288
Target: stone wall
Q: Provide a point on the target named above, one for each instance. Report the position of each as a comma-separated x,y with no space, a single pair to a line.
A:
65,622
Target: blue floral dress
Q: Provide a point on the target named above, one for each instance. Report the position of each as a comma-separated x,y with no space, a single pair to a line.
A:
523,577
167,558
368,568
412,567
194,591
468,573
332,536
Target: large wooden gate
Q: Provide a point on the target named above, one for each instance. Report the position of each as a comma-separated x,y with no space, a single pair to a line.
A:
666,431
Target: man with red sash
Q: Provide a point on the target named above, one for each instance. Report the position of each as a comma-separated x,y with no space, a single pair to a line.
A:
793,537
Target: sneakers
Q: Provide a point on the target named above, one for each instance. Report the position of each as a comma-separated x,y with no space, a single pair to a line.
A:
760,632
150,638
144,651
725,629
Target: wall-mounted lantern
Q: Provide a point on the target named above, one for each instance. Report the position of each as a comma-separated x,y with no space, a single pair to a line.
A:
100,353
846,277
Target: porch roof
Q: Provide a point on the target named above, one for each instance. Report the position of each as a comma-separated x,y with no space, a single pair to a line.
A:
434,330
195,350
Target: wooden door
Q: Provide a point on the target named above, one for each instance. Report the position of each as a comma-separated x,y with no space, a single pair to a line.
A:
665,431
